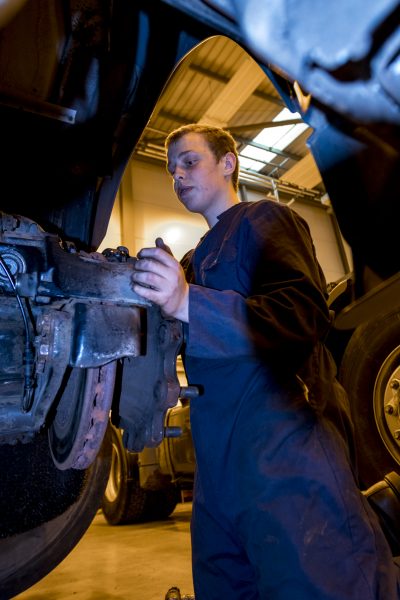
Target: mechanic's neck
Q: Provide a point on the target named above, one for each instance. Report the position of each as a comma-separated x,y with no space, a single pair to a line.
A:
229,200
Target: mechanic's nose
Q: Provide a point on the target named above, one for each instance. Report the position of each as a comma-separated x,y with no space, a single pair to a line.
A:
178,175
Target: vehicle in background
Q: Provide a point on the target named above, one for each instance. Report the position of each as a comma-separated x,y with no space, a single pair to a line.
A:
147,485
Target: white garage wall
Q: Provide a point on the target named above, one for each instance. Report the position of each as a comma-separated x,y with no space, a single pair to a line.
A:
325,240
146,208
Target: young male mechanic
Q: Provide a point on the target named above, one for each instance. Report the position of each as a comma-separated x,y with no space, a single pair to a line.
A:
276,513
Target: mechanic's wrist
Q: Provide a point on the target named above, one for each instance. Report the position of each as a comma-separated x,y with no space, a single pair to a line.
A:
182,310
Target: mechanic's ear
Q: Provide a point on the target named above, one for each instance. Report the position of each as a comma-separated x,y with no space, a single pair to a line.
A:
229,163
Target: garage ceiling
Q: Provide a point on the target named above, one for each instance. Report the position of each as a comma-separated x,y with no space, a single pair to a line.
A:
220,84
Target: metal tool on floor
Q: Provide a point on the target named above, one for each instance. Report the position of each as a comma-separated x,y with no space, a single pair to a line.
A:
174,593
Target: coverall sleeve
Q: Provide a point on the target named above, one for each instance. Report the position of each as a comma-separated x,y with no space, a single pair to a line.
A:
284,312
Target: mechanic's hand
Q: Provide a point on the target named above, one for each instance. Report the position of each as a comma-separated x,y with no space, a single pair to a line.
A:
159,277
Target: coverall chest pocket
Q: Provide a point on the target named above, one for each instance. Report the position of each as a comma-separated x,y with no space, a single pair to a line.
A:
219,268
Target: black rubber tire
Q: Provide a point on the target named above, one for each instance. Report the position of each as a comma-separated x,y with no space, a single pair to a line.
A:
124,501
372,353
161,504
30,554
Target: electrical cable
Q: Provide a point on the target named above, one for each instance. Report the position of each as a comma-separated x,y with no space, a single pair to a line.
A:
28,354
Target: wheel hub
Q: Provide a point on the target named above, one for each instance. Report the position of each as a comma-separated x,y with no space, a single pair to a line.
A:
114,480
387,403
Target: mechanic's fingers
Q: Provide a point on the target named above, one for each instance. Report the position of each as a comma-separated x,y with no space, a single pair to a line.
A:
146,279
161,244
151,265
145,292
157,254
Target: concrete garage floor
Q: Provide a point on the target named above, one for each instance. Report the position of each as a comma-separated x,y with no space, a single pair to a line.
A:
129,562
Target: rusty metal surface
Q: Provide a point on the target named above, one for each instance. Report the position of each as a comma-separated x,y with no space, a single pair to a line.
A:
149,383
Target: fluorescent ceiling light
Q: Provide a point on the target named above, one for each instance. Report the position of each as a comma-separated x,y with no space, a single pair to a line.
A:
277,137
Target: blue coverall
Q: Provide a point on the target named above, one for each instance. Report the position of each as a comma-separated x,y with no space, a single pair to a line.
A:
276,513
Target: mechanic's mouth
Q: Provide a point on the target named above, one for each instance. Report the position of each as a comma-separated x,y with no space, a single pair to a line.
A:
184,190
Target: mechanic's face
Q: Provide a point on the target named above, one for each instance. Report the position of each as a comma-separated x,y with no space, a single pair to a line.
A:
201,183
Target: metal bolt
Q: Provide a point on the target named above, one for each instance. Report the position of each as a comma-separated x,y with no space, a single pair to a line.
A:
124,251
189,391
395,384
44,349
389,409
172,432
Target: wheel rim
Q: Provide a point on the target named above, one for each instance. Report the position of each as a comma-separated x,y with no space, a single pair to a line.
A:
387,403
114,481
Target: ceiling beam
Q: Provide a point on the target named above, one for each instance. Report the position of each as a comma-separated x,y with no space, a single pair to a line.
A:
264,125
234,93
224,79
283,153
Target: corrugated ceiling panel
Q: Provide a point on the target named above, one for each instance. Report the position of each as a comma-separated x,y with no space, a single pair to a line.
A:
220,55
253,111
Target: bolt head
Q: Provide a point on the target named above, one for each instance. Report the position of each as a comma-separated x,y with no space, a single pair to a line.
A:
395,384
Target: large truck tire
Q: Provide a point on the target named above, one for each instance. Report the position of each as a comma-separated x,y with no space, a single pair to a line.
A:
124,500
370,373
44,512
